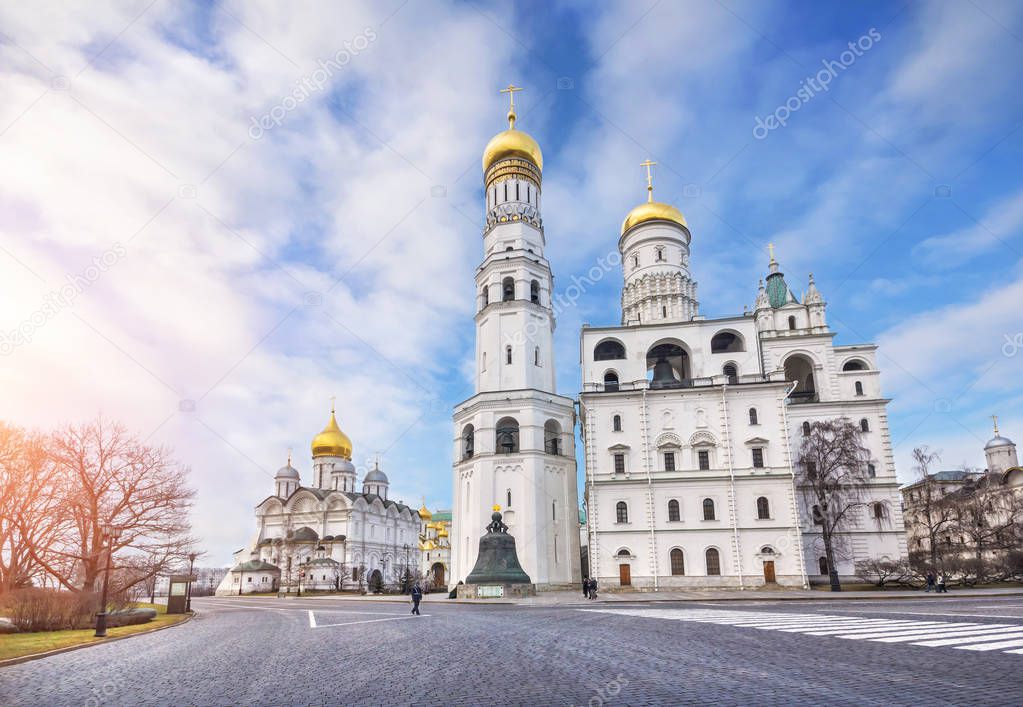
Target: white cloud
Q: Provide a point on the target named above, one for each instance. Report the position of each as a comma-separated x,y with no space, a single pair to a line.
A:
202,306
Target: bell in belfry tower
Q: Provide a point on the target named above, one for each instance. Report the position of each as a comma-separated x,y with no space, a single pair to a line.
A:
664,374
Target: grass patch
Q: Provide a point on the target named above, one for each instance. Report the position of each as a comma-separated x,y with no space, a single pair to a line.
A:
15,645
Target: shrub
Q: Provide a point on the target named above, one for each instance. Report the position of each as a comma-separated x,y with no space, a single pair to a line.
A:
35,609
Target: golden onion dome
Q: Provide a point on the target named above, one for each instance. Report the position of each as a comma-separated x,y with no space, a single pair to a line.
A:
424,512
443,533
332,442
512,143
653,211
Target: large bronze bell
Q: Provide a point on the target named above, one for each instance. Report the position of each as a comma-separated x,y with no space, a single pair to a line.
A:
497,562
664,374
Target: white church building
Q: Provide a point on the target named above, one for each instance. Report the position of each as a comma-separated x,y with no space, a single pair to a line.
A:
691,426
327,535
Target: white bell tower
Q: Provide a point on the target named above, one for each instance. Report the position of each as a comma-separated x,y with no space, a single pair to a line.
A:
514,439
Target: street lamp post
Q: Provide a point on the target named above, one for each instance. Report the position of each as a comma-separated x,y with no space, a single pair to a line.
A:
110,534
407,576
188,590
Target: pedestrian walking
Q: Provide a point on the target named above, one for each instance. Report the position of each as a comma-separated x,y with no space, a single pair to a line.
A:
586,587
417,596
942,589
593,589
930,582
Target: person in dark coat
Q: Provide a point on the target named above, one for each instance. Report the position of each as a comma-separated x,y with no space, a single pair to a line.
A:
930,581
417,596
586,586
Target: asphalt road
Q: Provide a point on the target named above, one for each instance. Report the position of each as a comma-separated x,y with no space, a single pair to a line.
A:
927,651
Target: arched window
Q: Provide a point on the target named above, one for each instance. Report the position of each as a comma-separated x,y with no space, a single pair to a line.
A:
822,566
507,289
708,509
726,342
854,365
806,429
622,512
611,382
552,437
534,292
507,435
660,254
713,562
731,372
818,519
678,566
536,356
753,416
635,261
763,508
864,425
610,350
507,354
799,370
508,498
486,295
624,552
616,423
792,322
871,471
468,441
859,388
673,513
664,312
879,511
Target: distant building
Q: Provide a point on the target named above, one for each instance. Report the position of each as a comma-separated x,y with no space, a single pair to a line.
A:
435,546
969,515
327,535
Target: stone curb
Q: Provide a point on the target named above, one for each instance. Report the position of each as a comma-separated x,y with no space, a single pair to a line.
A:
642,599
113,639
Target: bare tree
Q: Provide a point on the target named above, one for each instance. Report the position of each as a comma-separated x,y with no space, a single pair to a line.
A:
987,519
29,508
928,508
107,476
341,574
832,476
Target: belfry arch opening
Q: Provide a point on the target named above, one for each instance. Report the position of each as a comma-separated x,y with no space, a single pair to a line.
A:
726,342
667,366
799,370
609,350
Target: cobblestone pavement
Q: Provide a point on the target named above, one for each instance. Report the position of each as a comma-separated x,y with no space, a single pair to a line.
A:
275,652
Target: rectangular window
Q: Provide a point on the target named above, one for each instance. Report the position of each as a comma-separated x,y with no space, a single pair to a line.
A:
758,457
704,457
619,463
669,461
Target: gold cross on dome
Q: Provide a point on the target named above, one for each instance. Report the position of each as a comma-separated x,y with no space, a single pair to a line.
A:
770,250
511,91
332,398
649,179
994,419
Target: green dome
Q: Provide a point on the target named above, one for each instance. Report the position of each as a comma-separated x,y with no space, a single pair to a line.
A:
777,291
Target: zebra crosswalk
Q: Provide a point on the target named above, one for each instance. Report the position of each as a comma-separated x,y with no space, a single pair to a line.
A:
1006,638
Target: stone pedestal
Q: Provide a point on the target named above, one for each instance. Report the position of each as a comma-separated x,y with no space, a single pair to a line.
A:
496,591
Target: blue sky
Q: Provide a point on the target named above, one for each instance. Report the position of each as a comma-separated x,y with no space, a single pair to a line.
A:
263,275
